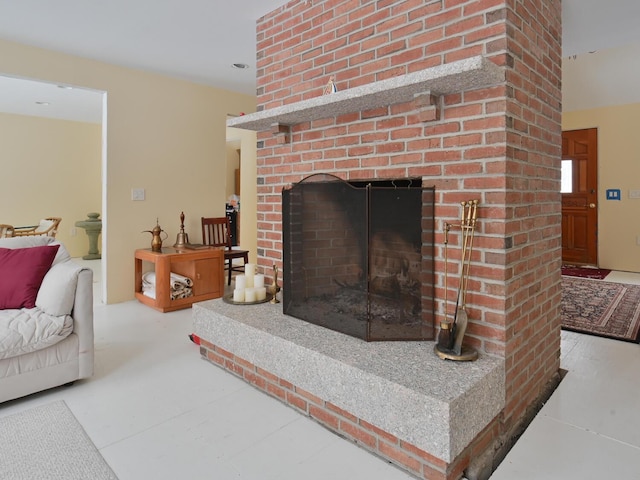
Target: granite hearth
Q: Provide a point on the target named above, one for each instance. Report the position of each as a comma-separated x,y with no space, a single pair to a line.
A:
396,399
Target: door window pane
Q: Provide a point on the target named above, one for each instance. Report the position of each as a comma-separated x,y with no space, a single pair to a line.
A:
566,177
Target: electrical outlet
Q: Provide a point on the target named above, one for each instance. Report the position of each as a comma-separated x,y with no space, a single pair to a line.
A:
137,194
634,193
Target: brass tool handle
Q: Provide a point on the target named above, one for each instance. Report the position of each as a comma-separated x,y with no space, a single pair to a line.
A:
447,227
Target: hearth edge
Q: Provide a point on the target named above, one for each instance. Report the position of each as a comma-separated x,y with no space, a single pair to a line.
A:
438,406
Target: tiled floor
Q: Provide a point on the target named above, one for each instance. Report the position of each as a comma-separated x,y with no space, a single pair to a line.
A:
156,410
590,427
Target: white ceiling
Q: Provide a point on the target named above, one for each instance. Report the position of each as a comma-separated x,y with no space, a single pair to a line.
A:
39,99
601,79
199,40
611,74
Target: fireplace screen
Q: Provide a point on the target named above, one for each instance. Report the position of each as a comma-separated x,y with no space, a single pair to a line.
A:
358,259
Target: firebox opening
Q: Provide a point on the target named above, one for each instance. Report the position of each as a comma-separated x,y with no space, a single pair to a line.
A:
358,256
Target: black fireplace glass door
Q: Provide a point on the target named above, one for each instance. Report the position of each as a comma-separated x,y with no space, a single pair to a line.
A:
325,261
400,263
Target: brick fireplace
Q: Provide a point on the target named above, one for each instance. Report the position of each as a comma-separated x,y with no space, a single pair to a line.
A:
465,95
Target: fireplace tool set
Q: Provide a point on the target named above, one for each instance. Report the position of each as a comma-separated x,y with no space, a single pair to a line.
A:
449,344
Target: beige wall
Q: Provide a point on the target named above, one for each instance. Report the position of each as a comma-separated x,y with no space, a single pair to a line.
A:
233,163
618,167
164,135
52,168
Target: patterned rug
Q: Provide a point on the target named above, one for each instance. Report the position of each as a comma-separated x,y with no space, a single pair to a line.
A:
585,272
600,308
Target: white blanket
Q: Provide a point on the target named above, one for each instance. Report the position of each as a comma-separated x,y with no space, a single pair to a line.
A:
175,280
181,286
30,329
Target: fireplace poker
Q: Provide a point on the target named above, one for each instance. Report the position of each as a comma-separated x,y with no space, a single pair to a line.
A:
462,257
472,227
461,317
447,228
444,340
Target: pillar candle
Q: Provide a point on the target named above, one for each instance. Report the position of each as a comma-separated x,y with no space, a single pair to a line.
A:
261,293
241,282
238,295
258,280
249,273
249,294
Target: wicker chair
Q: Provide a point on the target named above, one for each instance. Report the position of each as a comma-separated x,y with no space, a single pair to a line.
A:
6,230
47,226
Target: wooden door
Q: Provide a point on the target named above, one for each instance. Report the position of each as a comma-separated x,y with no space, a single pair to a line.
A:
580,197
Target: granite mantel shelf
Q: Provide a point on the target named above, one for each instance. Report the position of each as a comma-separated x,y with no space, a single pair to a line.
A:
468,74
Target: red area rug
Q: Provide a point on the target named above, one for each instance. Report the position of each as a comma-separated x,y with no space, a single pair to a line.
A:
585,272
606,309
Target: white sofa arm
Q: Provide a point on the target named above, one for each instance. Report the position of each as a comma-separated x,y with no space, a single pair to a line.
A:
82,314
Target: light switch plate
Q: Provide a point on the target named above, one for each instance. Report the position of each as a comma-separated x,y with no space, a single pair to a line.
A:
634,193
137,194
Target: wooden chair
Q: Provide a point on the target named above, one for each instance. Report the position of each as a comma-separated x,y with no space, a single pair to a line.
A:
216,233
47,226
6,230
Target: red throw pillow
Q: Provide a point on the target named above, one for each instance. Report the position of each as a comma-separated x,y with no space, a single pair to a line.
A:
21,273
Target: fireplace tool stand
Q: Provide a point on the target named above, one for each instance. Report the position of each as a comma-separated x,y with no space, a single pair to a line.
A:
449,344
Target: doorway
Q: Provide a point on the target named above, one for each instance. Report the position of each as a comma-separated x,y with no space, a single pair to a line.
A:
579,188
69,157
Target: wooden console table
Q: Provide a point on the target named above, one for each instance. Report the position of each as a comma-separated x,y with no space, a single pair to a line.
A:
204,266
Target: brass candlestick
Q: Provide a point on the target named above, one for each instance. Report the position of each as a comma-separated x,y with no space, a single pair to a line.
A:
275,289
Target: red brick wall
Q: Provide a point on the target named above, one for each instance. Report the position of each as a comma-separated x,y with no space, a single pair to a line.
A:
500,145
531,318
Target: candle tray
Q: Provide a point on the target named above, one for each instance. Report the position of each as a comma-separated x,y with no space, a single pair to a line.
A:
229,299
